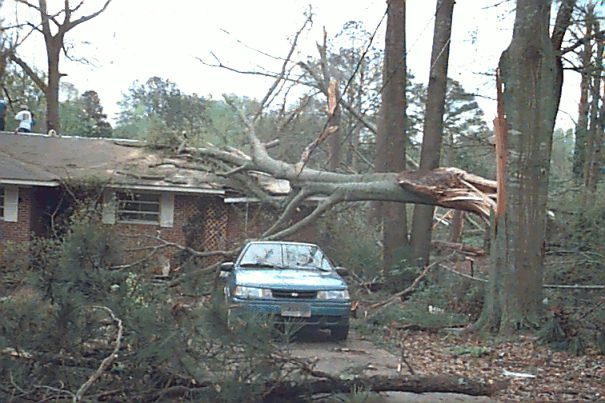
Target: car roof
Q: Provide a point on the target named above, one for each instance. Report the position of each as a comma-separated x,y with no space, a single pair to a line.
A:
282,243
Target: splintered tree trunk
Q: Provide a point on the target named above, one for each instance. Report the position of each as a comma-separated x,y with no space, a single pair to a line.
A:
390,143
433,124
530,74
334,141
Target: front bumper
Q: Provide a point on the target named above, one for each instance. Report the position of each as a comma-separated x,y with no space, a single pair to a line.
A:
323,314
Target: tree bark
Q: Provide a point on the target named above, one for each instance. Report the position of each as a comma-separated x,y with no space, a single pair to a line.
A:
433,124
379,383
579,155
531,96
597,158
54,46
457,226
593,137
391,138
334,141
53,49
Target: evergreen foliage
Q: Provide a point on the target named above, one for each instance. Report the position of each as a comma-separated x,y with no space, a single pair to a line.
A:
52,338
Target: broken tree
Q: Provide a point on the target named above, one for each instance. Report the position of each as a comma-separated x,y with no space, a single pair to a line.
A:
532,82
531,96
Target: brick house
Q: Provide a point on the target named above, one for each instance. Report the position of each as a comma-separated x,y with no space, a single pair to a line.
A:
143,193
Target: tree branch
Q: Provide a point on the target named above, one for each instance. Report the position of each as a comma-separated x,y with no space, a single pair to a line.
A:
107,361
73,24
29,71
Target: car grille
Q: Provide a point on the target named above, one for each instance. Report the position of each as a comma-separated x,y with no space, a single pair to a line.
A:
294,294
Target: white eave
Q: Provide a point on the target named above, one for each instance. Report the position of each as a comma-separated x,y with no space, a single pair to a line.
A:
256,200
174,189
21,182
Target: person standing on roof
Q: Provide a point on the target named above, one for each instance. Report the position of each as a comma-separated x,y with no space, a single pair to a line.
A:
3,108
25,119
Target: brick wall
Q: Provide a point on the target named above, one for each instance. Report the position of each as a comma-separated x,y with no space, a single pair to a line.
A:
199,222
248,221
203,223
19,231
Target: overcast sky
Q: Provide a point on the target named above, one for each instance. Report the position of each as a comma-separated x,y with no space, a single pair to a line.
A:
137,39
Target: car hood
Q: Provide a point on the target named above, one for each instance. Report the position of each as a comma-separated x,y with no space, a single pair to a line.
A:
289,279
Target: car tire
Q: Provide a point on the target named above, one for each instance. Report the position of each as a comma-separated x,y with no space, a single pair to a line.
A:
339,333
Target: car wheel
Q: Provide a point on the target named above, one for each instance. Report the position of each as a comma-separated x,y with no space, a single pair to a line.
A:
339,333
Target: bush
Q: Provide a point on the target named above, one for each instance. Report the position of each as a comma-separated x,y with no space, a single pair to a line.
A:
55,331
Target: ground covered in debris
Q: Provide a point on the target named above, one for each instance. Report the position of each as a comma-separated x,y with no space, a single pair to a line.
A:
531,371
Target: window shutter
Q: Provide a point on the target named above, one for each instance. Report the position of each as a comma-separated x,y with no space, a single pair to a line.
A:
109,207
11,203
166,209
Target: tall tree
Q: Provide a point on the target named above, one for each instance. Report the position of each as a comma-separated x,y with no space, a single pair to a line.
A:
594,137
82,115
54,31
430,154
531,73
391,136
100,127
579,156
161,104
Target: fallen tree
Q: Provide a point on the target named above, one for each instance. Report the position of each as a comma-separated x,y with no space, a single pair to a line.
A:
379,383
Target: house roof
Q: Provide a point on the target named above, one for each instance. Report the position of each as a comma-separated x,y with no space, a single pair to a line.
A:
34,159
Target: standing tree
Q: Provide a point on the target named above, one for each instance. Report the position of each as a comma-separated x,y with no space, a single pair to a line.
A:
391,135
82,115
99,127
54,31
433,124
579,156
532,78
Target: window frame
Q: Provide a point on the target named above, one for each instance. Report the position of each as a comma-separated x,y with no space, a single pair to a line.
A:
2,201
129,197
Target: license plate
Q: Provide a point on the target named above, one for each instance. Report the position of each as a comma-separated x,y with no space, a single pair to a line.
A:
296,310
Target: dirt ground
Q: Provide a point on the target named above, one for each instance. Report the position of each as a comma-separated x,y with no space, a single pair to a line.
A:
358,355
540,374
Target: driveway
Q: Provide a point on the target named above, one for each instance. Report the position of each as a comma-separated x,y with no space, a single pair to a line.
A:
360,356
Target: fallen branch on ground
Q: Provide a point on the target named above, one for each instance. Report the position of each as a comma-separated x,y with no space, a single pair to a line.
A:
551,286
459,247
410,289
379,383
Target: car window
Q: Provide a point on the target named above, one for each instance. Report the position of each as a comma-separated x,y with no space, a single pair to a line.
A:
262,254
305,256
285,255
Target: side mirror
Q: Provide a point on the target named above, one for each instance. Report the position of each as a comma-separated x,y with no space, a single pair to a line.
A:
227,266
342,271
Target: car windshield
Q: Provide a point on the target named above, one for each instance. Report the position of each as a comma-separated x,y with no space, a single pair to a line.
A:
276,255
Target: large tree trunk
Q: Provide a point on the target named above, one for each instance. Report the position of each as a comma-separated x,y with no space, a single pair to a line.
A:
579,154
54,39
52,90
531,96
390,142
433,124
594,138
284,391
597,157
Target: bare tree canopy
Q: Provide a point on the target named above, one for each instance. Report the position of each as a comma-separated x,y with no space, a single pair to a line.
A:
53,26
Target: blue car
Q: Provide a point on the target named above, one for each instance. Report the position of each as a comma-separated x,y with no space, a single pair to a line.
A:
289,281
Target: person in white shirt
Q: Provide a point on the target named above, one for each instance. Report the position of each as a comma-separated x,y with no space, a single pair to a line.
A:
25,120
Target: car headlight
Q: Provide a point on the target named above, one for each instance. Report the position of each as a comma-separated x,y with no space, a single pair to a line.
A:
251,292
340,294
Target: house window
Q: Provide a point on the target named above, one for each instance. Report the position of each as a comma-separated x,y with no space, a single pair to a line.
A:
142,208
1,203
